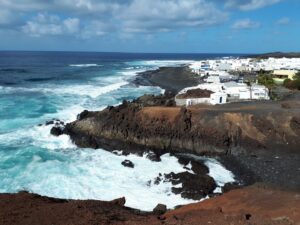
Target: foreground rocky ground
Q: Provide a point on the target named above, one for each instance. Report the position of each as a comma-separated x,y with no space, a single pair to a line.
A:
259,205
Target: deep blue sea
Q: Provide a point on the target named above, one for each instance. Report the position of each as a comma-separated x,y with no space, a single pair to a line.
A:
38,86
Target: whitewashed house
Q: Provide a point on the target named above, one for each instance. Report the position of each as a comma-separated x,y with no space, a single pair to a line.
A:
210,94
213,79
221,93
241,91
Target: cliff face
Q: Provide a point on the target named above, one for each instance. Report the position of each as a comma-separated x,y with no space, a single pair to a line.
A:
155,123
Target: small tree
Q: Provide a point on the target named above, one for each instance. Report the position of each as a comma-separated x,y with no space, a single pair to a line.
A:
266,80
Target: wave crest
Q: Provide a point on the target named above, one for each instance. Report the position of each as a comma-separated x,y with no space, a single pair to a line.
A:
86,65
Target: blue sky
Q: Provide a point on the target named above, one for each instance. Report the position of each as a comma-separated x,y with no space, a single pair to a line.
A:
188,26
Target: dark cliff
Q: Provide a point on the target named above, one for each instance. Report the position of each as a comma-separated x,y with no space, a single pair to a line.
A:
155,123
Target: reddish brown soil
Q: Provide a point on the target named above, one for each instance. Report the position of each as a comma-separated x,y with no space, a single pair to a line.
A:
251,205
255,205
29,209
159,113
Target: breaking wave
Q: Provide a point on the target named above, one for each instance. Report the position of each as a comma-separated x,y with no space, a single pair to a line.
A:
86,65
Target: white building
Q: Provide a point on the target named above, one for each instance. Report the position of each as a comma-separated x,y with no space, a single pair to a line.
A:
241,91
245,64
221,93
213,95
213,79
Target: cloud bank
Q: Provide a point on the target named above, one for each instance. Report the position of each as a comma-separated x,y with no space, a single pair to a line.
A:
88,18
247,5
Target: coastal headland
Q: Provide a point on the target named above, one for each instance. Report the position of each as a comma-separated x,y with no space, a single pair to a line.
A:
171,79
258,141
258,137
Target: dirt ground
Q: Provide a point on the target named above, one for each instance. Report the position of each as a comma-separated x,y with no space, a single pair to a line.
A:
258,204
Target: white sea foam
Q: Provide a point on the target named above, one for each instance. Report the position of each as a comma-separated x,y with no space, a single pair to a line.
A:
67,114
131,73
155,64
90,90
85,65
220,174
44,139
97,174
38,136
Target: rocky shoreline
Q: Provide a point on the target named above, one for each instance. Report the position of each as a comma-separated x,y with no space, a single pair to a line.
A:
257,141
171,79
261,132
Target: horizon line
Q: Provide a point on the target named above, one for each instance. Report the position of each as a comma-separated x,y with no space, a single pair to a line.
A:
129,52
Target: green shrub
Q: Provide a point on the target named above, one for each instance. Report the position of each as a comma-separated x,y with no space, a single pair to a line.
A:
266,80
293,84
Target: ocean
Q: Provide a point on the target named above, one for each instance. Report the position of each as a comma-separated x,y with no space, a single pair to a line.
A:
36,87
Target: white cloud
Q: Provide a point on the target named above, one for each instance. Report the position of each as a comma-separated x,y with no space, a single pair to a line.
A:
45,24
129,16
94,28
245,24
283,21
158,15
71,25
247,5
87,18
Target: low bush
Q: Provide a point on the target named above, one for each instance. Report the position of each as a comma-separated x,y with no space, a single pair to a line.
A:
293,84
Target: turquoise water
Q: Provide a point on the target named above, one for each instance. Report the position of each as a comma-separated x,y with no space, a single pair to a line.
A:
37,87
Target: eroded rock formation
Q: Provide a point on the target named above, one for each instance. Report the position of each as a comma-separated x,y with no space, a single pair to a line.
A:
155,123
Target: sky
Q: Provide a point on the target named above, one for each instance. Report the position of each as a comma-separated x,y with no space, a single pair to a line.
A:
157,26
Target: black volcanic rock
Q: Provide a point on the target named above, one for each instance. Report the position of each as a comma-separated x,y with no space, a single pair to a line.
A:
128,163
194,186
199,168
160,209
51,122
147,123
57,130
155,100
153,157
